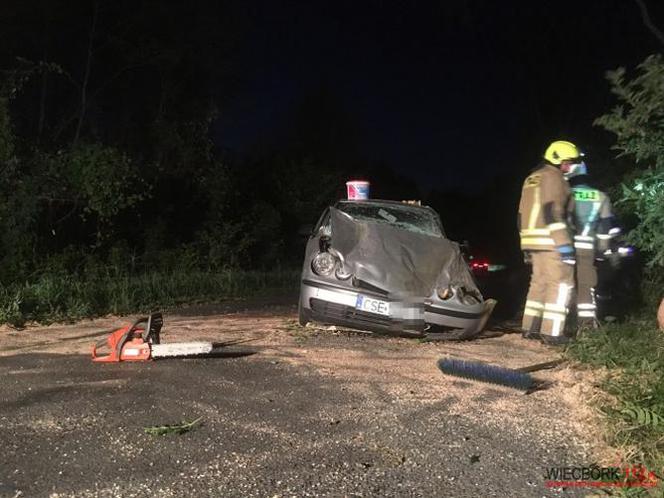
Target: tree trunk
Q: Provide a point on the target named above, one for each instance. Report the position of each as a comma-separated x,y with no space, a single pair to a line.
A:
44,76
86,77
660,315
42,105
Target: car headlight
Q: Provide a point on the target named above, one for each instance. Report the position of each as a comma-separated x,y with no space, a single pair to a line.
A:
445,293
469,298
323,263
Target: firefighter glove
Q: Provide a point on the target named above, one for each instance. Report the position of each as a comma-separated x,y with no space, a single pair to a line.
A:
567,254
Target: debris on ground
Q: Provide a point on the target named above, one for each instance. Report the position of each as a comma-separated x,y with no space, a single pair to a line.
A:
181,428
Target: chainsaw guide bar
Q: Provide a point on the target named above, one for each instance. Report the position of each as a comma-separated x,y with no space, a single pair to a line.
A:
181,349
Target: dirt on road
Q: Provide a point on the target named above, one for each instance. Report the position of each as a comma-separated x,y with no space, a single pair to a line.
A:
314,412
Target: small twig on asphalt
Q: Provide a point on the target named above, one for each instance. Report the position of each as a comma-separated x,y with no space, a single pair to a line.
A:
160,430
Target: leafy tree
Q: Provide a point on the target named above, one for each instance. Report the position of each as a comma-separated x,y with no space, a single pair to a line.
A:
638,123
6,135
102,180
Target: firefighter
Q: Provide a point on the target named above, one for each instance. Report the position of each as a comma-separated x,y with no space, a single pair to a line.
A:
595,228
546,212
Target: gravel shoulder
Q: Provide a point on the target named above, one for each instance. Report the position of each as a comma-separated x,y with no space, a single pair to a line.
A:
314,412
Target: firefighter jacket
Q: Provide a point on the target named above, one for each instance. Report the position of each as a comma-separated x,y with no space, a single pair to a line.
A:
546,210
593,219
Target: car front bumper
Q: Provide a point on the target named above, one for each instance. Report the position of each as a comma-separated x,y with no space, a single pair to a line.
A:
334,304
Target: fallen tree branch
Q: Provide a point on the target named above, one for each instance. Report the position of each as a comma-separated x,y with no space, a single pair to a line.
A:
647,21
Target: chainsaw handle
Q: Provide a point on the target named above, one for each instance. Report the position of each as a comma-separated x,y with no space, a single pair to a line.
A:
115,342
153,327
99,344
96,345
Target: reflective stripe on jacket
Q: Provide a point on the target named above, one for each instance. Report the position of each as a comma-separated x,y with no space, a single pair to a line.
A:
545,210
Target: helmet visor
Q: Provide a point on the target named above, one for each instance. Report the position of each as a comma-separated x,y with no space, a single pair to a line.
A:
573,167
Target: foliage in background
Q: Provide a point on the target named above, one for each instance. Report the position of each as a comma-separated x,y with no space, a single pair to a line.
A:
6,135
114,197
109,173
638,123
644,197
633,352
88,229
102,179
101,290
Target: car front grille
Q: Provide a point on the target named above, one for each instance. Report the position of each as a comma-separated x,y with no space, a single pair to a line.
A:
342,312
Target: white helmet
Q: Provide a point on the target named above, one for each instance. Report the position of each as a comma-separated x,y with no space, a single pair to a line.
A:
570,170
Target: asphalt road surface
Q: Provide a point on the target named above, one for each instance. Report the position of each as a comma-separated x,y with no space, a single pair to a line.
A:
313,412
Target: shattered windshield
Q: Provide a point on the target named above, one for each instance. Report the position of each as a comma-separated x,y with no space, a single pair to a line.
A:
402,216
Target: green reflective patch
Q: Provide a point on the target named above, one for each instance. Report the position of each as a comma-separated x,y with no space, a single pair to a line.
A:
586,195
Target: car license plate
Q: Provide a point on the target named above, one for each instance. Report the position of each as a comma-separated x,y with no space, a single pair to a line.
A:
371,305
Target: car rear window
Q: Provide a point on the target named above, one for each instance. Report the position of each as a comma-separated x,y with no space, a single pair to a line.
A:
414,219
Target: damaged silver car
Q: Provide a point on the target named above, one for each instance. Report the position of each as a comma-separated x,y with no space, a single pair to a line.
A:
386,266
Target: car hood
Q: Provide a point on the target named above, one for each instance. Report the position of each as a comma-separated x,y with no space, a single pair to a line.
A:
399,261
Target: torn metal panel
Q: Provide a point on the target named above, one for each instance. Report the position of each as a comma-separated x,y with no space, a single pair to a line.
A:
403,262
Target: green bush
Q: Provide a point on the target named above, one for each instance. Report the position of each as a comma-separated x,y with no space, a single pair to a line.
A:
633,353
643,195
104,179
638,123
6,135
66,296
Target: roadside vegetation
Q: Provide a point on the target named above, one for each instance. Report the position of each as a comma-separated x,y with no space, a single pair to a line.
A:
633,355
116,195
66,296
633,351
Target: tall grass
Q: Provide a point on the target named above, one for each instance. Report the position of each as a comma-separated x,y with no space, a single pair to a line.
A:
66,296
633,353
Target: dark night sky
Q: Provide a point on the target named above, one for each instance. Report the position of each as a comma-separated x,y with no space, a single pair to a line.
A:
449,93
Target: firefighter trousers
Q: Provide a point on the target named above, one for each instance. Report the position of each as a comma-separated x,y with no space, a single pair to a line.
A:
551,286
586,281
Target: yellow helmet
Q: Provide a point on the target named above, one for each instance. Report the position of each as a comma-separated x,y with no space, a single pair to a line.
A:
560,151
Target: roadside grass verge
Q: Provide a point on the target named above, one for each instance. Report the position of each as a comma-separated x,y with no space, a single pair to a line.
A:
633,354
64,296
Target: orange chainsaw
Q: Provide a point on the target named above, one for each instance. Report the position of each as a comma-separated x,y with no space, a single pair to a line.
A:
140,342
